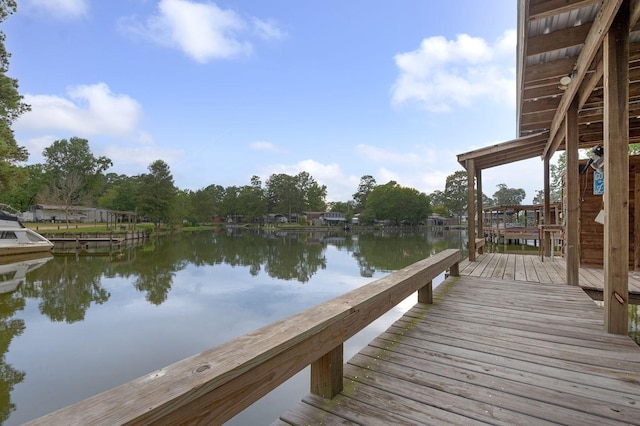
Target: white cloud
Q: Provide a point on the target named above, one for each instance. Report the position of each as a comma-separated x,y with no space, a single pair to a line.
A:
36,146
86,110
264,146
442,74
137,159
202,30
61,9
267,30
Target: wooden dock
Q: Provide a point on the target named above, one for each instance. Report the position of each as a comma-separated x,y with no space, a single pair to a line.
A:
531,268
504,343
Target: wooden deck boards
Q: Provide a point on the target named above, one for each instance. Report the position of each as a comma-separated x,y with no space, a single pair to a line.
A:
492,351
528,267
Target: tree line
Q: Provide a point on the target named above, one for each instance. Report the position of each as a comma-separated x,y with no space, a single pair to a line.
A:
72,175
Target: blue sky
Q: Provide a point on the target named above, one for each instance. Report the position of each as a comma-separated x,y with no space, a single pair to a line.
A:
225,90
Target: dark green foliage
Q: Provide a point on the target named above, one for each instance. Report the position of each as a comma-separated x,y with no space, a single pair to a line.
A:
398,204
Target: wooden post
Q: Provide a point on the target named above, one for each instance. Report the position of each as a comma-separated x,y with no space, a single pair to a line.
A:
616,173
327,373
479,208
471,211
454,270
546,220
636,222
425,294
573,195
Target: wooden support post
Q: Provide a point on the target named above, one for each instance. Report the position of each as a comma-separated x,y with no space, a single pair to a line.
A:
573,195
546,220
616,173
454,270
425,294
471,211
636,222
327,373
479,207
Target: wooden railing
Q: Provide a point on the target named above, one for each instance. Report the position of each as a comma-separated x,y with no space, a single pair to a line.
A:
215,385
480,245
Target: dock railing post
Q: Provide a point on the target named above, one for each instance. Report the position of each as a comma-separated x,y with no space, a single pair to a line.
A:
454,270
425,294
327,373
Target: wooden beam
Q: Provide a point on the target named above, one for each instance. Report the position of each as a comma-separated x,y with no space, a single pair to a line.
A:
560,39
548,70
537,117
616,174
599,29
634,13
545,8
522,23
572,249
589,84
538,105
471,211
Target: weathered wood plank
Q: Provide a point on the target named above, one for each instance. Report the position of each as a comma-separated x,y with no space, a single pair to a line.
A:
510,268
500,267
530,269
482,264
491,266
306,414
362,413
517,351
520,274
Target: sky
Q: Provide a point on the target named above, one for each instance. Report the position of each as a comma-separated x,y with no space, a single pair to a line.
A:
222,91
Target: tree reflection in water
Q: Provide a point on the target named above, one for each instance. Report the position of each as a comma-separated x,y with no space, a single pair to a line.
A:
10,327
66,288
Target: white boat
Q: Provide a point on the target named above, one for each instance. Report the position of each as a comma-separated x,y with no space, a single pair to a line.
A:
13,273
15,238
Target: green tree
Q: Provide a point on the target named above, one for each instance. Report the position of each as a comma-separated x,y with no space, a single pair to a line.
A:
23,197
72,159
122,195
398,204
11,107
455,192
439,203
367,184
207,203
283,194
182,209
230,207
156,194
539,197
315,195
251,200
506,196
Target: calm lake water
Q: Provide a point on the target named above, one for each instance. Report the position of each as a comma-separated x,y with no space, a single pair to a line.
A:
78,325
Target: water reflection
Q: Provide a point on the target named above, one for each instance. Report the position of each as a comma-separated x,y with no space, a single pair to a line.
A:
13,272
169,298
